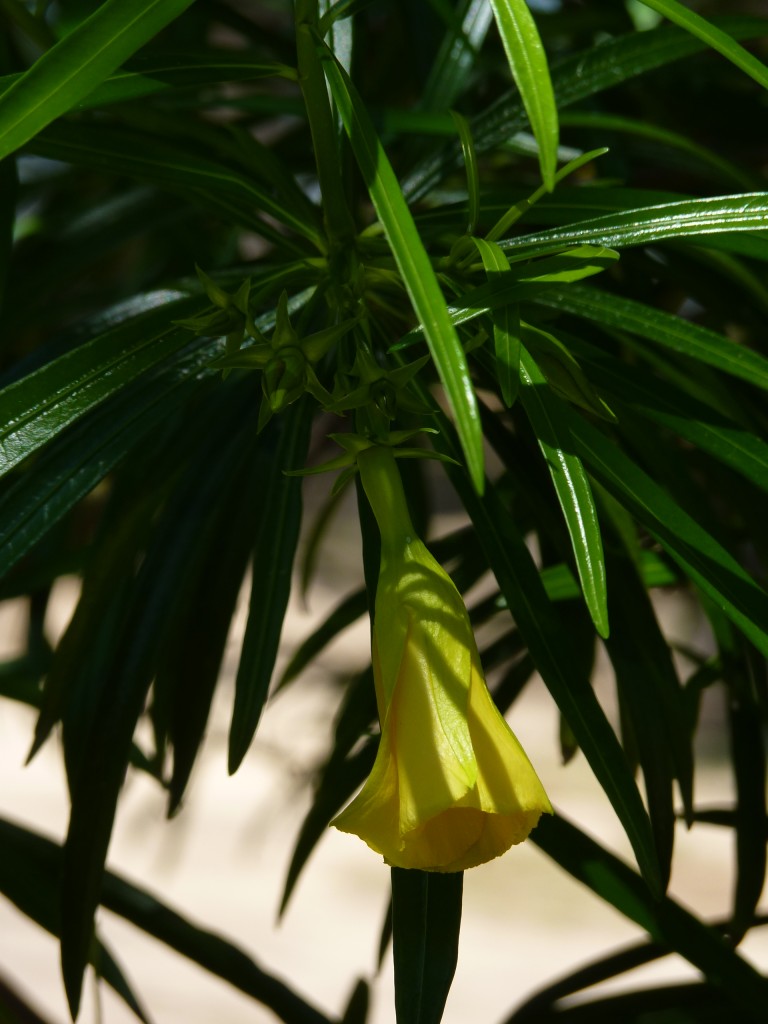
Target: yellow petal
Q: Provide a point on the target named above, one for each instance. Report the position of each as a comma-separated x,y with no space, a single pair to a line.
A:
451,786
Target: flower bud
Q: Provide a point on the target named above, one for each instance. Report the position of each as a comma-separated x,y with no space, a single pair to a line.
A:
451,786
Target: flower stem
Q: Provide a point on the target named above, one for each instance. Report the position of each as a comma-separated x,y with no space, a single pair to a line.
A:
384,489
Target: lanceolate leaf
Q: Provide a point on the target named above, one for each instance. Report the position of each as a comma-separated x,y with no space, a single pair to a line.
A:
457,56
426,917
83,454
414,264
38,407
149,74
698,554
29,878
584,74
506,326
78,63
176,167
697,218
712,36
572,486
275,548
101,710
664,919
696,422
528,64
670,331
28,854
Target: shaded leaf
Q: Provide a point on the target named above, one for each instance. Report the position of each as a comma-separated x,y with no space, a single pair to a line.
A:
77,63
669,331
275,547
414,265
572,486
25,852
426,918
665,920
698,554
711,35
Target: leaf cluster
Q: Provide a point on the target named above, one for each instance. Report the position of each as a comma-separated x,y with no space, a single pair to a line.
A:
539,247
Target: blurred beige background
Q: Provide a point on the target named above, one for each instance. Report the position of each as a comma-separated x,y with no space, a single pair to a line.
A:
222,861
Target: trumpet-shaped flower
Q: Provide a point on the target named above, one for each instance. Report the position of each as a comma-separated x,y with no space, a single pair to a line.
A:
451,786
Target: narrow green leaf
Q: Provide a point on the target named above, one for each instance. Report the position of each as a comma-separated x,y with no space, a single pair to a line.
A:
42,404
414,264
691,218
644,659
275,548
470,163
88,450
176,167
457,56
520,208
24,850
522,282
8,193
670,331
528,64
29,879
148,74
340,776
78,63
698,423
99,717
190,658
665,920
506,325
747,744
572,486
698,554
700,155
712,36
426,918
347,611
584,74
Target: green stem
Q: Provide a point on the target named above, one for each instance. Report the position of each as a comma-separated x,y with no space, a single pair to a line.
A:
338,219
384,489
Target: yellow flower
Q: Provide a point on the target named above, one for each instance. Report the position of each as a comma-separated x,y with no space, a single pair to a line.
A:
451,786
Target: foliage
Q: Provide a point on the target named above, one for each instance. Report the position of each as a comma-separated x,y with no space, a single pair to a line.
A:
542,239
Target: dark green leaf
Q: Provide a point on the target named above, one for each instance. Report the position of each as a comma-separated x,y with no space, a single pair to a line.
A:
572,486
41,405
697,553
712,36
26,852
577,77
665,920
284,447
426,918
29,878
414,265
78,63
177,167
339,777
348,611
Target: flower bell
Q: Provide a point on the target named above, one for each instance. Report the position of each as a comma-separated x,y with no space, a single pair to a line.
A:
451,786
